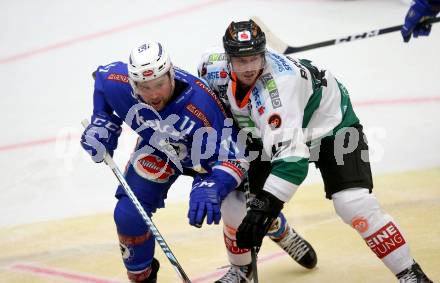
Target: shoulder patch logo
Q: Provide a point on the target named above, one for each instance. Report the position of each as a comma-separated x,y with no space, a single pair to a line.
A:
274,121
118,78
212,94
199,114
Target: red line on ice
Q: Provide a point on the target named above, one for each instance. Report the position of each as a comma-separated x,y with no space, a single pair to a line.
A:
87,37
51,272
409,100
10,147
208,277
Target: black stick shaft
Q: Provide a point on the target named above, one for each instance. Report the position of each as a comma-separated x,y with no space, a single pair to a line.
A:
159,239
368,34
254,250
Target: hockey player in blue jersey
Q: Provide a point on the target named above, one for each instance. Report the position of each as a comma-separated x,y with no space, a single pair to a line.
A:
419,11
182,127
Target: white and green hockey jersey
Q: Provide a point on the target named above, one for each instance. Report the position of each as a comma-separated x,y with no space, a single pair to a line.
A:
291,107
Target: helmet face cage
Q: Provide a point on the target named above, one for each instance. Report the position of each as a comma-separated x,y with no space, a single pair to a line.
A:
244,39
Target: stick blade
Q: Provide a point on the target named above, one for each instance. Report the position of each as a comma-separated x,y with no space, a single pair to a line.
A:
272,40
85,123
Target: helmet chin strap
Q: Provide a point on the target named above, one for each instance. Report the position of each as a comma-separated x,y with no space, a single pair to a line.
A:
171,75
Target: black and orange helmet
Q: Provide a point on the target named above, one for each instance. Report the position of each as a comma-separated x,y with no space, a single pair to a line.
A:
244,39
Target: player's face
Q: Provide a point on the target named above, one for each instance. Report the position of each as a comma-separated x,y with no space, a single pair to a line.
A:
247,68
157,92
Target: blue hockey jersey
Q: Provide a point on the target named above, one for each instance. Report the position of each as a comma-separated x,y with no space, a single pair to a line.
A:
189,133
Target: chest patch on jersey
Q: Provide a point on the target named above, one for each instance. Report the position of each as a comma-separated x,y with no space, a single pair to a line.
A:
258,101
199,114
271,87
153,168
118,78
274,121
216,57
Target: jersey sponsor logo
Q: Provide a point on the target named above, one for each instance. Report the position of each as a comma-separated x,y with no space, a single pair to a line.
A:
213,75
199,114
270,85
258,103
216,75
318,76
212,94
274,121
281,63
386,240
147,73
215,57
153,168
223,74
302,70
118,78
158,131
232,247
360,224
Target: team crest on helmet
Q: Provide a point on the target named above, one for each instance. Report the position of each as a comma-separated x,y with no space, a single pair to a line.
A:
147,73
244,35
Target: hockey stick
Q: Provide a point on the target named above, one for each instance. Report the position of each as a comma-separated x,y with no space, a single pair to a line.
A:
160,240
254,250
280,46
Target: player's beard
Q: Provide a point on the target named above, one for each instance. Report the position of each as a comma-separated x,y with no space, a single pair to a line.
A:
248,79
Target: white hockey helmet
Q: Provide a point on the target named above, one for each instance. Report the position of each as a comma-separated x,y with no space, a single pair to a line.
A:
148,62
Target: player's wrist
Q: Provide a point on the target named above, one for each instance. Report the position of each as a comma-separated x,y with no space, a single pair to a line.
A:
267,203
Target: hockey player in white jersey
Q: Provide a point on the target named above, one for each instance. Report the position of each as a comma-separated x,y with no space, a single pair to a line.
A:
301,114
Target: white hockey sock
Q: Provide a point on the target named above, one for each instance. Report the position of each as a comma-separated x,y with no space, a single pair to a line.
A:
233,211
360,209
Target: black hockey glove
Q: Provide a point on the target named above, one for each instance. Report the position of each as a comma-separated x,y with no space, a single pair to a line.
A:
264,209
